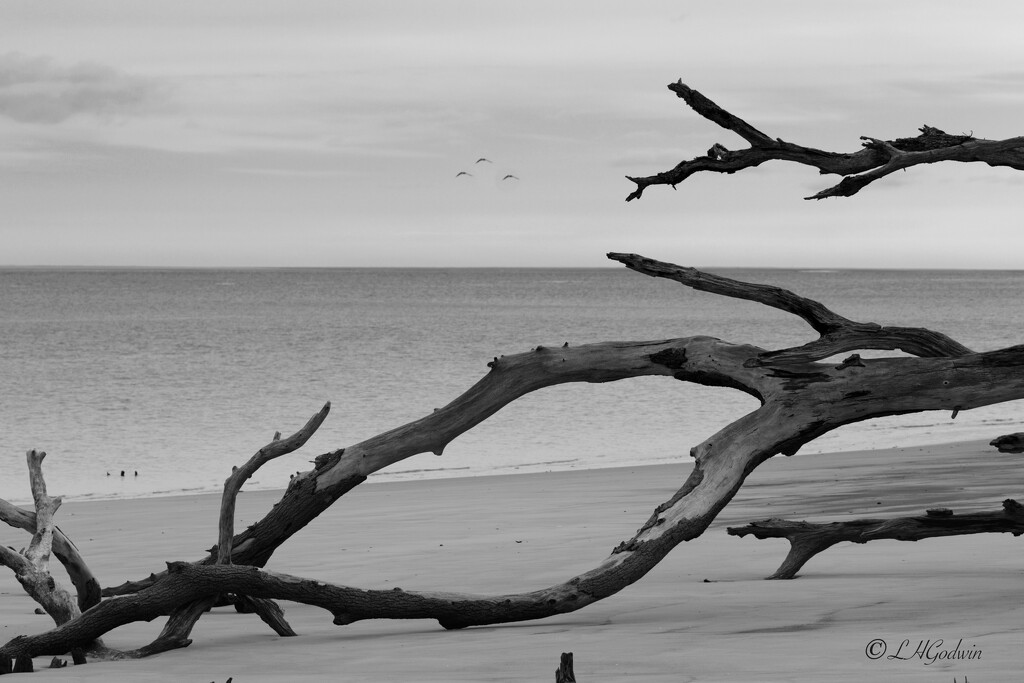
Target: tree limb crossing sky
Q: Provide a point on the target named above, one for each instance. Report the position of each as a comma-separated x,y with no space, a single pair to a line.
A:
325,133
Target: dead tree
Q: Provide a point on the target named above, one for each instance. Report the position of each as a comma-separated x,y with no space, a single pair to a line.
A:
802,396
877,159
807,539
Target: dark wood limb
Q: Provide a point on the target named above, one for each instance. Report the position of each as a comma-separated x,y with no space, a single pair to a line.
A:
838,334
179,625
267,610
877,158
239,475
807,539
183,618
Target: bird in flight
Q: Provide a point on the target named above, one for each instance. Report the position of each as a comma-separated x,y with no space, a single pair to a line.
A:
510,176
463,173
484,159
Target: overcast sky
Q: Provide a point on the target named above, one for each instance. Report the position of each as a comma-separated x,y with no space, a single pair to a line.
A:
327,133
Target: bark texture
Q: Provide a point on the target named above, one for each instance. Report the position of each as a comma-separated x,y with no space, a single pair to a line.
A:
807,539
32,565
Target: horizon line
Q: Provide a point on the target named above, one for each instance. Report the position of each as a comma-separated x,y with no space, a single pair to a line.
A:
609,266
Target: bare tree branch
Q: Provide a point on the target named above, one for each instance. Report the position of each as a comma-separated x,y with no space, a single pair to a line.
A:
799,405
183,618
807,539
876,160
85,583
800,400
838,334
31,566
702,360
239,475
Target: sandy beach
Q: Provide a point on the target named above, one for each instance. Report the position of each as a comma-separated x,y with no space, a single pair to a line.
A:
704,614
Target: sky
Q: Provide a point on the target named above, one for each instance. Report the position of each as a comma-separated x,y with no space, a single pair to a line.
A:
329,134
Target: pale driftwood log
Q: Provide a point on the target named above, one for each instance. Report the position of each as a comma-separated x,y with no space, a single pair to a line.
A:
807,539
877,159
32,566
800,399
82,578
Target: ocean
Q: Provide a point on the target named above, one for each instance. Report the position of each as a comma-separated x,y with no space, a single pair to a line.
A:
172,376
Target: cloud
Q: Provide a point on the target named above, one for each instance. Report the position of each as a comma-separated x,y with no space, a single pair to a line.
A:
35,89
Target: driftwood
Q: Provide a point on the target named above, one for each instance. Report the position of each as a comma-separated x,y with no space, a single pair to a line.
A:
564,672
184,611
1009,443
32,565
877,159
85,584
807,539
801,398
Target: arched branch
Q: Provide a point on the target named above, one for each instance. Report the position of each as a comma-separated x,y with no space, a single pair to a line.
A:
702,360
800,400
798,408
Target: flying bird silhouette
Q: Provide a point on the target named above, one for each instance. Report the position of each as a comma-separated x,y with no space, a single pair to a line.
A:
463,173
484,159
510,176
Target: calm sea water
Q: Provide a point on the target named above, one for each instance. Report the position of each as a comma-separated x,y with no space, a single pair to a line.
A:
180,374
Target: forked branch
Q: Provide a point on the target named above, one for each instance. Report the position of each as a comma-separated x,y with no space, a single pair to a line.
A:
189,609
877,159
82,578
32,565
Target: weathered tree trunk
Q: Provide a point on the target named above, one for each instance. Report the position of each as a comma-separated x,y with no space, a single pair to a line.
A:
801,398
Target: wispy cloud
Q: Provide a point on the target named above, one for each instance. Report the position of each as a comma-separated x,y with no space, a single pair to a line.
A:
36,89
